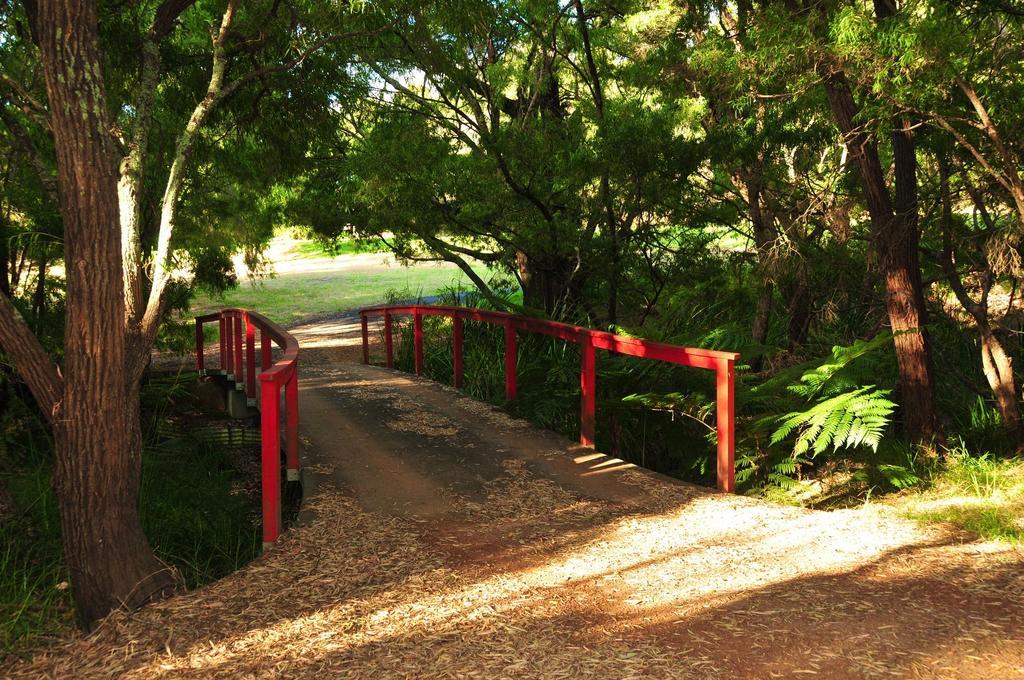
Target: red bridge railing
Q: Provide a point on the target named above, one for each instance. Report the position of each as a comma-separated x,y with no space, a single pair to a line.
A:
589,340
239,363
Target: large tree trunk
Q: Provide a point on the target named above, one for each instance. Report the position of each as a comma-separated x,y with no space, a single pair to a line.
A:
895,237
97,466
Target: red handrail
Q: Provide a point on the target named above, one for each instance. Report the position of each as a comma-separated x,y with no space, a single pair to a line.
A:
723,363
238,363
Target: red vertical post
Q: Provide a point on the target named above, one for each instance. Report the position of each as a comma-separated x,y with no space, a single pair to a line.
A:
457,351
291,405
270,456
366,338
236,335
266,350
250,358
726,406
389,343
588,390
417,341
226,345
200,348
510,359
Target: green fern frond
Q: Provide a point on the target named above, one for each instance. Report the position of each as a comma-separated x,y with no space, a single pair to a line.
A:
844,372
855,418
899,476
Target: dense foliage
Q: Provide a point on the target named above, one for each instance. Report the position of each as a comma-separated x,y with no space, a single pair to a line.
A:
832,188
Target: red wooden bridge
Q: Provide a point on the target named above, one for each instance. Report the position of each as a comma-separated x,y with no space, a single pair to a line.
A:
241,364
440,537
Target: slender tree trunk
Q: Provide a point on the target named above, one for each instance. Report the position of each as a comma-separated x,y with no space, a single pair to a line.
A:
611,221
996,362
998,368
530,282
895,237
762,241
762,318
5,257
39,296
96,470
798,303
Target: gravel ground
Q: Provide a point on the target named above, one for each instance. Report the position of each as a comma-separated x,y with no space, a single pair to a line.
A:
444,539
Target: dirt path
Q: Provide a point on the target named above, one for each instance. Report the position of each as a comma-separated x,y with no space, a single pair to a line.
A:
444,539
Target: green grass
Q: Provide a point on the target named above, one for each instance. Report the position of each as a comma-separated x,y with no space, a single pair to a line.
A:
982,494
34,599
311,249
293,296
192,511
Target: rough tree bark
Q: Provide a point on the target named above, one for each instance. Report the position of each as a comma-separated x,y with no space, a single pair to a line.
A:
895,236
110,562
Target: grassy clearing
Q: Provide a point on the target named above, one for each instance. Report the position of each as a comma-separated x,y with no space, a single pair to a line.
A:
980,493
308,283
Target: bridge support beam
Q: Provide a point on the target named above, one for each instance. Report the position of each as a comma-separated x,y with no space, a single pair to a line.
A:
236,336
588,389
725,374
200,348
366,338
457,351
250,359
417,341
266,351
511,356
227,347
291,400
270,455
389,343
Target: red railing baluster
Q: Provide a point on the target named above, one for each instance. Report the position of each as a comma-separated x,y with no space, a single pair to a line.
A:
237,336
457,351
291,404
366,338
511,355
228,349
200,348
417,334
266,350
588,390
250,358
270,457
725,375
723,363
389,343
272,378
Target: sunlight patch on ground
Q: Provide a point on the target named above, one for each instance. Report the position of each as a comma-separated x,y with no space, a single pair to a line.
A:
561,586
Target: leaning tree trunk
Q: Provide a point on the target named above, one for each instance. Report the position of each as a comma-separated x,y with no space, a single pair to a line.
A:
998,368
996,362
95,478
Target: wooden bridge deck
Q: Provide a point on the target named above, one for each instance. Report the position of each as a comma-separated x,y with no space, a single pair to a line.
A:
441,538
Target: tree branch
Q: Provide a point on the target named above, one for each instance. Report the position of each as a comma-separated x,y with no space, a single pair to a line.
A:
31,361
